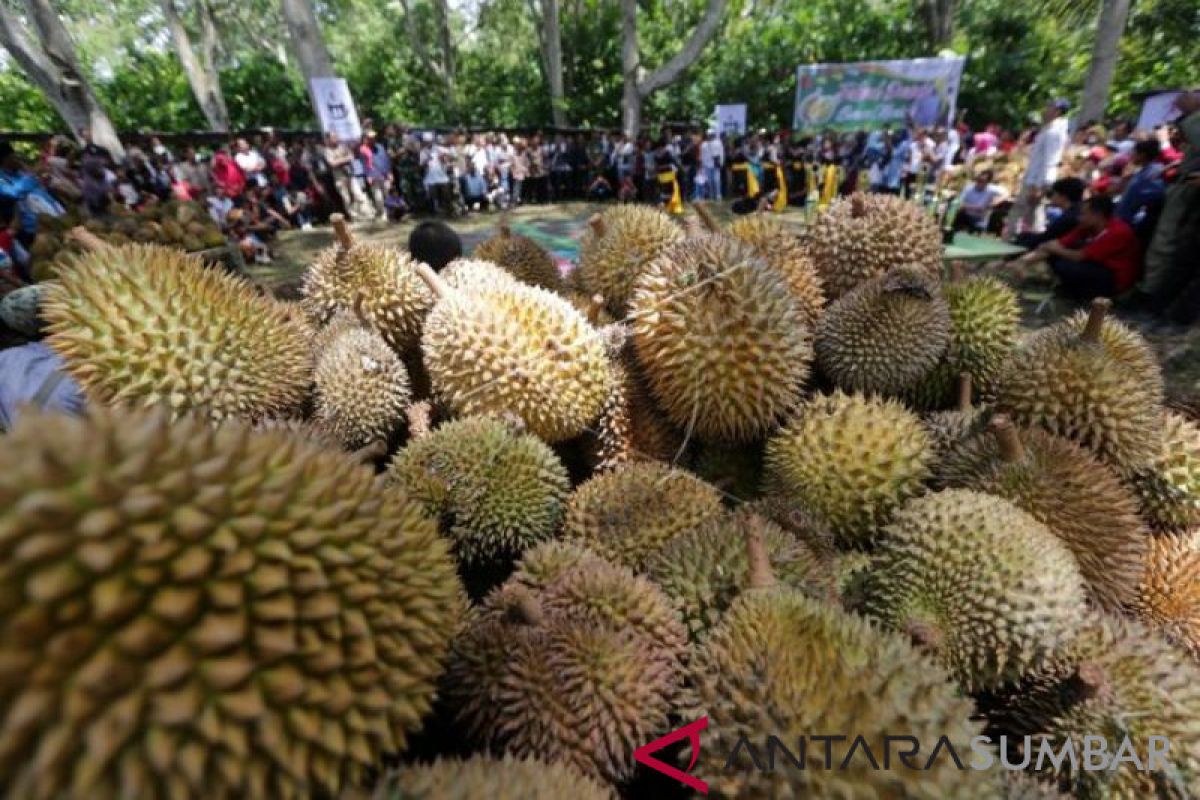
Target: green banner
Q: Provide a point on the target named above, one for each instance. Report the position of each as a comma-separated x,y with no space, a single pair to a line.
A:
869,95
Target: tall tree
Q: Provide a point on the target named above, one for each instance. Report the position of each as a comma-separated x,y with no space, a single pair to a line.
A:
938,17
48,58
443,67
308,45
638,84
1105,51
201,70
549,31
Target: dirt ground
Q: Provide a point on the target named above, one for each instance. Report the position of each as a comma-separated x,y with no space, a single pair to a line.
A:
558,228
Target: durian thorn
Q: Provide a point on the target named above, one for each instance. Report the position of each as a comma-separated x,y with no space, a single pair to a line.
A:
1011,449
596,223
360,310
432,280
964,391
513,422
524,608
613,337
858,205
595,307
368,453
341,231
923,634
706,217
761,576
90,240
420,416
1095,320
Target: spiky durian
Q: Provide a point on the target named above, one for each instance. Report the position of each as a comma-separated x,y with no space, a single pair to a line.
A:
382,280
1168,487
886,335
630,427
785,254
1169,598
497,490
863,236
488,777
984,586
1066,488
596,649
306,429
469,273
628,514
144,325
737,470
704,570
521,256
783,664
850,460
949,428
1118,682
516,350
193,612
361,388
984,315
616,249
1092,380
723,343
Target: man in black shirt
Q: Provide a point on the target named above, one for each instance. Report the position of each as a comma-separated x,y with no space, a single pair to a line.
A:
1066,194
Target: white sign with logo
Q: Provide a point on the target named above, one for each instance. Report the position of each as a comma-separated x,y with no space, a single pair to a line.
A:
335,108
731,119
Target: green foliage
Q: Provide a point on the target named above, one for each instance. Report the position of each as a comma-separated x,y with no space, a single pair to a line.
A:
150,93
25,108
261,92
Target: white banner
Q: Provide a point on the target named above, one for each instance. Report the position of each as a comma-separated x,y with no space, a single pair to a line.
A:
731,119
876,94
335,108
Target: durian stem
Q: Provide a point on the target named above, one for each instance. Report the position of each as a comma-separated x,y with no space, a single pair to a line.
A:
964,391
596,223
360,312
1011,449
924,635
90,240
759,569
341,231
432,280
595,308
504,229
1095,320
706,217
958,271
858,205
420,419
368,453
525,609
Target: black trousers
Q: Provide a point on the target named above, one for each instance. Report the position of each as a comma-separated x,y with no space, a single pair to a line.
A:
1084,280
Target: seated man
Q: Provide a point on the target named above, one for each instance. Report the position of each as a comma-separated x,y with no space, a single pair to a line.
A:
1065,198
1099,258
474,189
976,203
1143,192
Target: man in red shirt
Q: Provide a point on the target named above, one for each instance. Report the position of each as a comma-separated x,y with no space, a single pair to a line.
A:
1101,257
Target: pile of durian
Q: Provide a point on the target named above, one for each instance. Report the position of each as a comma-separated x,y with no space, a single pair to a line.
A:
175,223
483,533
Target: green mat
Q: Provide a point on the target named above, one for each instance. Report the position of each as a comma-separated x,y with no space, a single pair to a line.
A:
967,247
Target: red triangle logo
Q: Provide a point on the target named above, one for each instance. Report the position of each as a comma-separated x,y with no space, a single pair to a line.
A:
691,732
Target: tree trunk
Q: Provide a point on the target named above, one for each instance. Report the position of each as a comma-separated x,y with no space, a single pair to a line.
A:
939,21
443,68
637,88
552,41
202,77
308,46
442,10
49,60
1105,52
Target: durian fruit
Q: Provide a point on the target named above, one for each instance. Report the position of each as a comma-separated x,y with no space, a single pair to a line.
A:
172,231
145,325
630,427
984,317
723,343
488,777
1169,599
198,612
394,300
591,306
527,260
306,429
850,460
784,253
978,582
783,664
736,470
628,514
1119,682
617,248
498,491
950,428
516,350
1168,488
1067,489
704,570
580,671
886,335
469,273
362,388
863,236
1092,380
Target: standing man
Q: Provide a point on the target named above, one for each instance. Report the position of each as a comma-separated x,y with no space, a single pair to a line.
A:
1044,156
379,173
712,159
338,158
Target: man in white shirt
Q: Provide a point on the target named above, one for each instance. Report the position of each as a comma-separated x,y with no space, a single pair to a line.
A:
437,180
712,157
1045,154
250,162
976,203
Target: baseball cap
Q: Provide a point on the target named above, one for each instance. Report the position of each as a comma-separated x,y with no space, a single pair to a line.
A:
1062,105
